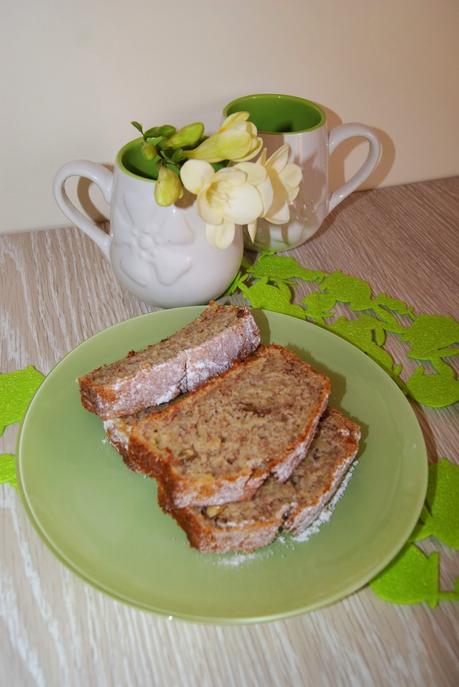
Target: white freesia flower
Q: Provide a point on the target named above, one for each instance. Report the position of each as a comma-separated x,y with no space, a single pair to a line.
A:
236,140
289,174
224,199
278,183
258,176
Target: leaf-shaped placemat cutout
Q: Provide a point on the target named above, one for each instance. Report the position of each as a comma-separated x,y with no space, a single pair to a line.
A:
412,577
348,289
266,284
431,336
16,392
436,390
441,515
394,304
319,306
8,469
272,297
282,267
367,333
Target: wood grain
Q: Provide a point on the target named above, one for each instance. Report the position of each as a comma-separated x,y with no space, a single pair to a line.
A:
55,291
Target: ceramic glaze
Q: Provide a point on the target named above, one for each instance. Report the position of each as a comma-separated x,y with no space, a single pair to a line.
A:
302,124
160,254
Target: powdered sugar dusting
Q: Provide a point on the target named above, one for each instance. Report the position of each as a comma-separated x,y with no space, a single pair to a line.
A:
288,541
235,560
149,377
115,433
325,515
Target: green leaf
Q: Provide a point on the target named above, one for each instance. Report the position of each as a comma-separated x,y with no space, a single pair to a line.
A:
219,165
138,126
8,469
167,130
410,578
154,131
16,391
177,155
173,168
163,143
153,139
239,279
441,517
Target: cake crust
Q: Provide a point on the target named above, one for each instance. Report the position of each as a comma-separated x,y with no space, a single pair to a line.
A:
204,348
292,506
221,442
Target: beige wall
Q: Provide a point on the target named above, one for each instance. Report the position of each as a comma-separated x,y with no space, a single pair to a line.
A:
75,72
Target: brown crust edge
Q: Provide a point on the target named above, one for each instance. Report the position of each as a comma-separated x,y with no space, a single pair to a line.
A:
298,518
247,538
98,398
210,539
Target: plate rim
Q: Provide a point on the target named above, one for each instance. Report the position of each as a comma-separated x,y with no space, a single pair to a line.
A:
343,592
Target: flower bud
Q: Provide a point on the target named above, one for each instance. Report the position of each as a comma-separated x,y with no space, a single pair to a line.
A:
166,130
187,136
236,140
148,151
168,188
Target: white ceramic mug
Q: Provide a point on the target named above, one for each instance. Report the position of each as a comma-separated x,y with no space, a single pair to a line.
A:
160,254
302,124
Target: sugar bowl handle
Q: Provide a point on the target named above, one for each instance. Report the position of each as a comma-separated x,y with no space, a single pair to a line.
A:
103,178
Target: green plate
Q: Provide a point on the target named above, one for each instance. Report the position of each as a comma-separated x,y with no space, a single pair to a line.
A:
104,523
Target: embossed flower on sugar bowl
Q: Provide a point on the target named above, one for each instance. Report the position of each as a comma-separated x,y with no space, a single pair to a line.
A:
152,241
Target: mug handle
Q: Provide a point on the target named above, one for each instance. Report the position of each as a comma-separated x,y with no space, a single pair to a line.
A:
342,133
103,178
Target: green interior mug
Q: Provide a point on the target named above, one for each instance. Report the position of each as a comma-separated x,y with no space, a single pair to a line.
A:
302,125
279,114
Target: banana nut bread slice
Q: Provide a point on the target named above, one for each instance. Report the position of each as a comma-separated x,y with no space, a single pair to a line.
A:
204,348
219,443
291,506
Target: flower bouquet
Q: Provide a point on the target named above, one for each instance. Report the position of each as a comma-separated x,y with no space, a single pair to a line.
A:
231,186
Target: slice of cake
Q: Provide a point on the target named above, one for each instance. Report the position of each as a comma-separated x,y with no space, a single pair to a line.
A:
204,348
220,443
291,506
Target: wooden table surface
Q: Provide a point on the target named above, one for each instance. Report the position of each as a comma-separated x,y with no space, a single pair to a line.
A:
55,630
